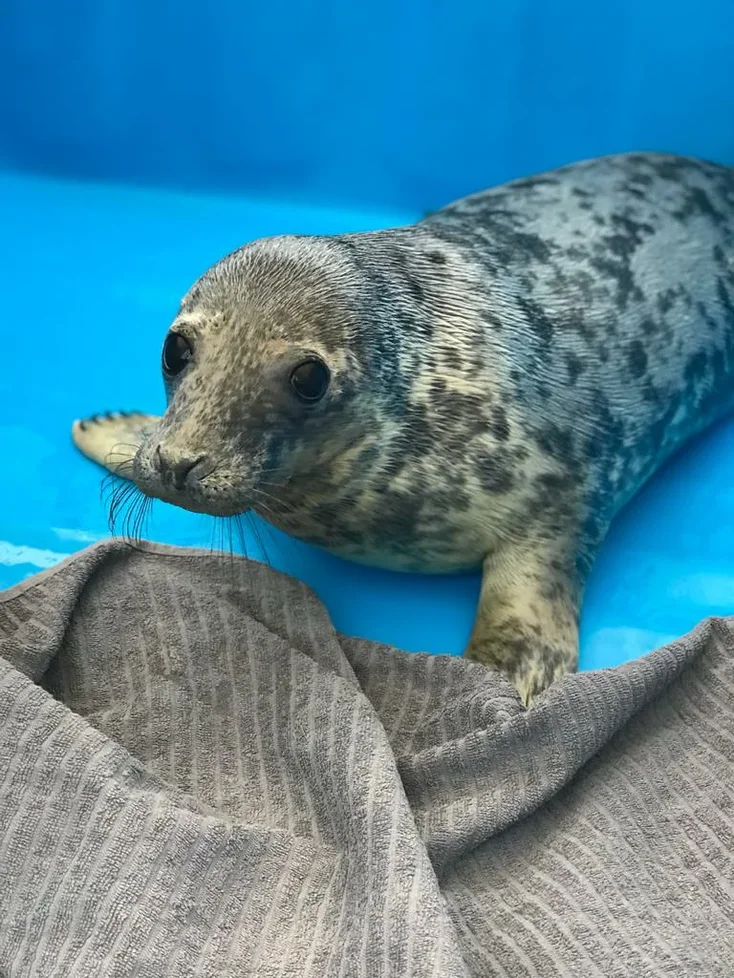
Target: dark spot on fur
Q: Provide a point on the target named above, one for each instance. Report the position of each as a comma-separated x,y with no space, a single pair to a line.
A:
414,441
610,425
718,364
511,244
633,231
622,273
648,326
696,369
666,167
415,288
539,181
575,367
556,442
419,432
555,491
494,472
613,255
451,358
537,320
637,359
650,392
702,310
492,319
437,257
499,425
666,300
698,203
593,447
397,515
367,457
724,298
643,179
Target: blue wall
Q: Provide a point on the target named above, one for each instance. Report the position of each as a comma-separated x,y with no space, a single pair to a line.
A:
408,103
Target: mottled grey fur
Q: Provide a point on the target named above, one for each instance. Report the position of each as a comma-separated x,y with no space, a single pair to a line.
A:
506,373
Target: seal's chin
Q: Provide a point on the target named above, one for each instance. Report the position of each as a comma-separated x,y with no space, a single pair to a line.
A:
207,502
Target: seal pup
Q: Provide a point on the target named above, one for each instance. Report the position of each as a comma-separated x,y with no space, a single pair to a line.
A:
486,387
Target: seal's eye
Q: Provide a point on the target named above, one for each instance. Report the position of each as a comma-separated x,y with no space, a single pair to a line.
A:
177,353
310,380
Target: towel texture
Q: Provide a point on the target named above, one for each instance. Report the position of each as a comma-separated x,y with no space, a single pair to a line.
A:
199,776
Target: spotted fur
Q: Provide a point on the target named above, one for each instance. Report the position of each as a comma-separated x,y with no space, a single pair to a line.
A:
506,373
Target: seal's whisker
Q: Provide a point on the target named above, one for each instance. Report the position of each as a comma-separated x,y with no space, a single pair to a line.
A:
214,536
238,522
128,446
277,504
138,517
241,534
230,542
129,509
265,525
255,528
271,485
118,497
276,540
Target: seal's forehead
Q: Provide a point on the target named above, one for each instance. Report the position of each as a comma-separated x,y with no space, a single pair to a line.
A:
280,290
269,266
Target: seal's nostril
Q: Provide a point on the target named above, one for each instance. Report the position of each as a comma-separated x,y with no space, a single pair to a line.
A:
182,471
178,472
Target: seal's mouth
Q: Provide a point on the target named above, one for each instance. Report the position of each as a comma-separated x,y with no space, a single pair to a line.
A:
188,480
209,501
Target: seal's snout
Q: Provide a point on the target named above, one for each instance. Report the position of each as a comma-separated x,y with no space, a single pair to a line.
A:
180,471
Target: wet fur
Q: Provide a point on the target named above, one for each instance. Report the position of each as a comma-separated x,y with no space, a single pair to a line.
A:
506,374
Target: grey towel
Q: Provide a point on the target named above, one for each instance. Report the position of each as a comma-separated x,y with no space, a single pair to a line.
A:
198,776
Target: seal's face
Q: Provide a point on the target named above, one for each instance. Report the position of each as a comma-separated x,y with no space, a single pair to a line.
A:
261,390
344,390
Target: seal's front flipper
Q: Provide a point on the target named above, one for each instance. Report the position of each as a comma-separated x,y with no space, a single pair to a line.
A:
112,439
527,621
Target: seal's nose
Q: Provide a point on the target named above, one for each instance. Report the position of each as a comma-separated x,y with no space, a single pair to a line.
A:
179,471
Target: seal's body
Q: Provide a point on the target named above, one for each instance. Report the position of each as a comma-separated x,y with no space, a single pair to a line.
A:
486,387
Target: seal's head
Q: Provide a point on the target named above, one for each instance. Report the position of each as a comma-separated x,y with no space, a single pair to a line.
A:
264,379
282,369
330,385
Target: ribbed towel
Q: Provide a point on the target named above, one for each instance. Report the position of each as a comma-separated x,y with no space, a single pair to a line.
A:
199,776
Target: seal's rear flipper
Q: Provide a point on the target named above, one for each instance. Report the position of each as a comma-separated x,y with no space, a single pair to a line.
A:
112,439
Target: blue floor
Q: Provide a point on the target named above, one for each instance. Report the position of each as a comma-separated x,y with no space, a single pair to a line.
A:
91,276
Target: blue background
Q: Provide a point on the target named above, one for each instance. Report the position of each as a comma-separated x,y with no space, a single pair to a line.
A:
400,103
141,141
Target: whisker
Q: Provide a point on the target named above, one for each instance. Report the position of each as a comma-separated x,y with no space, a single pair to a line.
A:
128,510
277,504
255,527
276,540
241,535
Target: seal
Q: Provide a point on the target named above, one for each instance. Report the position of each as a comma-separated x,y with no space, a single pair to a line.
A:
484,388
